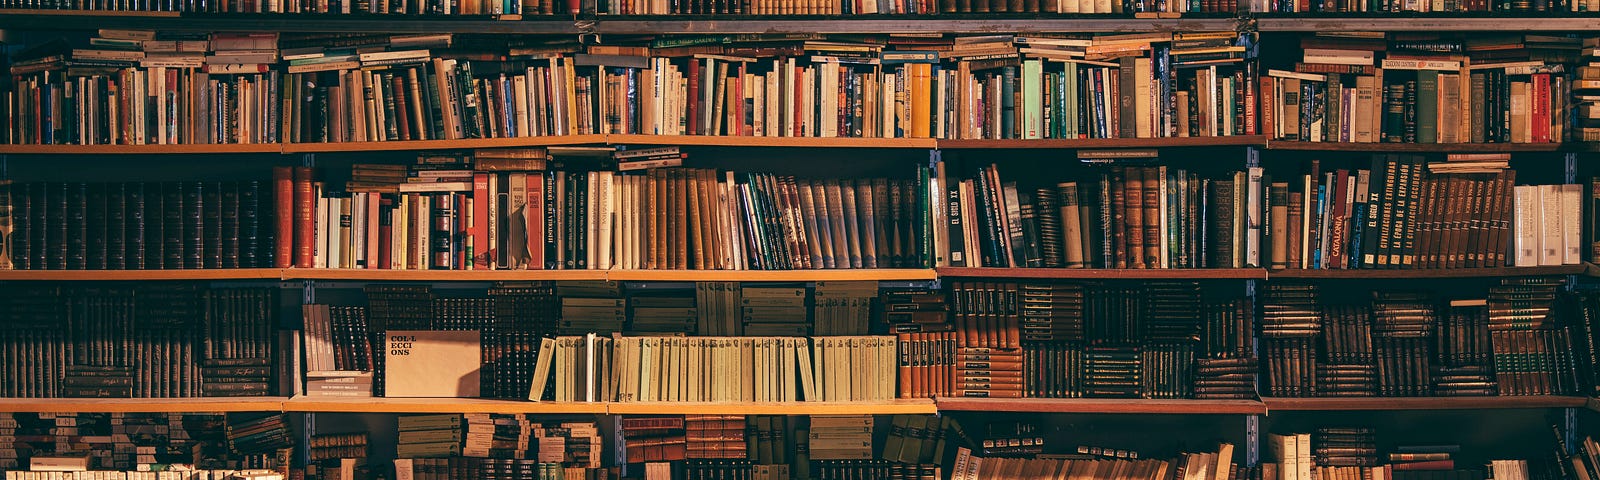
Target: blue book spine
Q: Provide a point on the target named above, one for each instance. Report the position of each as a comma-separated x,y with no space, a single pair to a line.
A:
1322,206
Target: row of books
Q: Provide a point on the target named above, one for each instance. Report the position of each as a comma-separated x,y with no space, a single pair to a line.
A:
147,341
431,8
1423,89
534,8
717,369
1216,465
118,442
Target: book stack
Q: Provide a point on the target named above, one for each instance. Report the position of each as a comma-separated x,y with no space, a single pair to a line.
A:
336,446
1225,378
1348,366
591,307
654,439
842,308
427,436
1052,323
671,313
497,435
338,351
1402,331
138,225
1440,88
718,305
255,433
1413,458
774,311
715,437
1532,351
1011,439
1226,364
1290,323
771,441
1464,365
840,437
969,465
469,467
1128,217
1585,95
572,445
915,311
1345,447
988,357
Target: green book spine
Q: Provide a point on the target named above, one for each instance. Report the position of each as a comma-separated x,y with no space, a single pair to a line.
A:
1427,106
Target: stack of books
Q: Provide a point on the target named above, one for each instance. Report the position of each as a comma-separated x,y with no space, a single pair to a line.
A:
715,437
654,439
841,437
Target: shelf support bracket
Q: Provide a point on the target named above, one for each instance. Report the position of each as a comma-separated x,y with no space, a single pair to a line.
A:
1252,157
1569,422
1252,440
1572,167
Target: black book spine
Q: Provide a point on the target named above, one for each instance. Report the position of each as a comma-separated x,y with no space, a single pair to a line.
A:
228,225
443,220
55,223
194,225
170,232
76,226
252,238
211,227
136,233
116,228
22,226
96,239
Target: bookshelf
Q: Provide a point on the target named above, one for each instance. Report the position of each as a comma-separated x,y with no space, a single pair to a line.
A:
1102,405
1422,403
1356,274
1106,273
896,407
1416,147
143,405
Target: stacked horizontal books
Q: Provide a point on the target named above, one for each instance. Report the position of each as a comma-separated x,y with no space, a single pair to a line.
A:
1533,351
574,446
1290,323
258,433
1226,365
592,368
673,312
1345,446
139,225
1122,217
841,437
1402,331
1348,366
774,310
653,439
1586,94
715,437
1465,362
1394,6
1217,465
338,351
1422,88
842,308
123,446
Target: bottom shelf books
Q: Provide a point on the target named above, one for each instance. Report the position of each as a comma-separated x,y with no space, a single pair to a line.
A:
133,446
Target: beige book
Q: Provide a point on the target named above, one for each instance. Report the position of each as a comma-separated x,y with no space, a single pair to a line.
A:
541,369
428,363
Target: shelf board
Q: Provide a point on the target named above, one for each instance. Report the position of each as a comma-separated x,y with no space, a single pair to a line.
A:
1060,143
1366,274
1415,147
890,407
356,274
141,275
139,405
1104,273
436,405
1101,405
466,143
980,23
750,141
1452,22
1421,403
286,22
836,275
141,149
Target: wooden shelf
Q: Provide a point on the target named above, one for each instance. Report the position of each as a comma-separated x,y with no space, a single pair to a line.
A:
1415,147
1053,143
748,141
891,407
286,22
136,405
884,24
142,275
186,149
1105,273
436,405
1452,22
1370,274
355,274
839,275
445,144
1421,403
1101,405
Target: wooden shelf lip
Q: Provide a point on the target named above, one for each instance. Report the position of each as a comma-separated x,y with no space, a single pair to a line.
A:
752,141
1101,405
435,405
1415,23
284,22
1104,273
1415,147
356,274
141,275
1063,143
1422,403
143,405
920,24
891,407
542,141
837,275
1360,274
141,149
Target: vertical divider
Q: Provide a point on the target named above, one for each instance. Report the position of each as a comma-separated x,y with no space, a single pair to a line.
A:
1252,440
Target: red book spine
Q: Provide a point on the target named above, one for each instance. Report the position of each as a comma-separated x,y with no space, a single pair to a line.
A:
694,99
304,225
1541,108
478,231
534,210
1268,119
374,236
386,232
283,195
402,106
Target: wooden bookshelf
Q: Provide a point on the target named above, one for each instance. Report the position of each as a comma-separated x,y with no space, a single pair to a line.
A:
186,149
143,405
1415,147
746,141
1415,22
142,275
436,405
944,23
356,274
287,22
1367,274
1105,273
1055,143
891,407
838,275
543,141
1422,403
1101,405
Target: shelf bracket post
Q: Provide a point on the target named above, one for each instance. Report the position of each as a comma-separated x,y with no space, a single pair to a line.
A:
1252,157
1252,440
1569,422
308,292
1571,167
